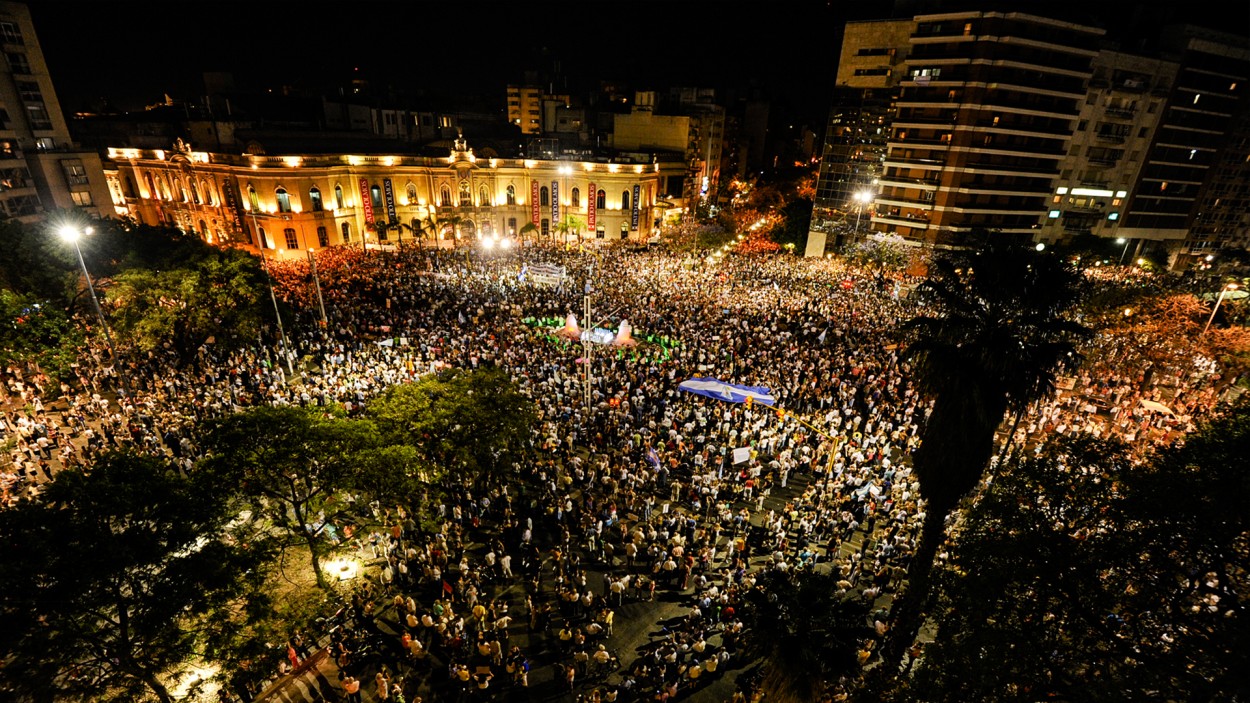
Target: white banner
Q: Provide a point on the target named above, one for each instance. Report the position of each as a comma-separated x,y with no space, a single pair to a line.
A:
742,454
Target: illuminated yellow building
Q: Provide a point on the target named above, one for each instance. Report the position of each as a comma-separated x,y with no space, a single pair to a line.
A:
311,201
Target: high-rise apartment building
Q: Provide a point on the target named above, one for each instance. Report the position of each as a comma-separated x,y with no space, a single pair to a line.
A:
983,119
1038,128
41,169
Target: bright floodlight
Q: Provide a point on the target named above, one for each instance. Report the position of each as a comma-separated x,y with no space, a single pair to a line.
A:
863,196
1040,246
69,233
488,243
1120,240
505,243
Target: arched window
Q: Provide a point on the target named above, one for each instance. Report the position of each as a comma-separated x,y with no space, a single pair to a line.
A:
284,200
483,197
601,199
165,188
345,227
195,193
543,197
444,197
264,239
338,197
412,194
253,199
466,198
512,225
624,230
209,196
203,228
511,195
375,194
147,180
625,200
575,197
314,199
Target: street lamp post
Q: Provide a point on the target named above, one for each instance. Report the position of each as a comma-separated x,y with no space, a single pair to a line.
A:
73,234
286,350
312,261
1218,300
1125,242
862,197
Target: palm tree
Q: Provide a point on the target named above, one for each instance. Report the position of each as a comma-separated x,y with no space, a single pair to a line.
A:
529,229
570,225
998,335
382,227
804,633
437,225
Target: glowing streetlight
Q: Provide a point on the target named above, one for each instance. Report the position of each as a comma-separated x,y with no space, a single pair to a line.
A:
863,197
1122,240
1220,299
72,234
505,243
1041,246
488,243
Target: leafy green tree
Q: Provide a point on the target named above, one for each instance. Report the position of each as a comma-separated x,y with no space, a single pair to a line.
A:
110,578
997,334
295,465
807,634
37,263
528,230
1081,575
472,425
31,330
220,295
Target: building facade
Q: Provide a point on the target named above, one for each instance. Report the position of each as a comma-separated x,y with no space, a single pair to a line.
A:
983,120
41,169
292,203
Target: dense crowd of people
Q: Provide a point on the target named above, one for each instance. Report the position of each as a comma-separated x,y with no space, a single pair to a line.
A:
644,493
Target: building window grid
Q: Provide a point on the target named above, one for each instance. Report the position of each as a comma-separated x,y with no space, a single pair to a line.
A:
292,241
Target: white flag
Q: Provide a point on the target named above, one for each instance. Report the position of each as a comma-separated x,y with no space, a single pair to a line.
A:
462,320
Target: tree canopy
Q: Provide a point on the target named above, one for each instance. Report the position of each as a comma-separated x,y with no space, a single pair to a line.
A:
295,465
108,578
473,426
1081,576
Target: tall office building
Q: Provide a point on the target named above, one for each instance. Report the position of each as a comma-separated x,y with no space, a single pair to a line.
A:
41,169
871,66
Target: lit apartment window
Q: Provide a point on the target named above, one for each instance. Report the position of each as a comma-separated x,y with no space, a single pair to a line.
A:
10,33
314,200
82,199
284,200
511,195
338,197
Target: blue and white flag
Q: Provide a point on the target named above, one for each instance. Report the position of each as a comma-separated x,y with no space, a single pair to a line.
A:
652,458
719,390
524,270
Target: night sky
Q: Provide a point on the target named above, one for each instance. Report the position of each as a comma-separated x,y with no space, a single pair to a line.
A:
133,52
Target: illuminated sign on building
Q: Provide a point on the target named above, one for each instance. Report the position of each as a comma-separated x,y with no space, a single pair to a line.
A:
535,207
555,202
590,208
390,200
366,200
633,217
